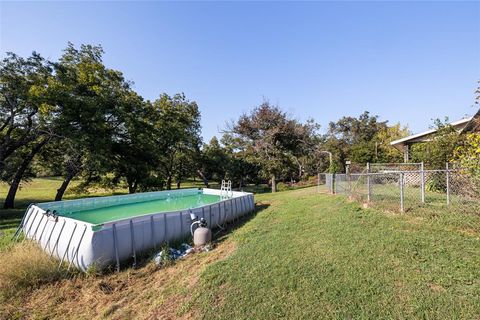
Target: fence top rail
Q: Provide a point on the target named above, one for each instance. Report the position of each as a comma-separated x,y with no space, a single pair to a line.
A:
394,164
398,172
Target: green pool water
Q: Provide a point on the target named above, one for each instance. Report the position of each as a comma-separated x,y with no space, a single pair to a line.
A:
107,214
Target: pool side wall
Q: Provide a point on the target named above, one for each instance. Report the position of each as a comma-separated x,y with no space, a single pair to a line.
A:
82,244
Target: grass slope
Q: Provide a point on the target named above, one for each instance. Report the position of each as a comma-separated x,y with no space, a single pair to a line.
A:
304,255
311,256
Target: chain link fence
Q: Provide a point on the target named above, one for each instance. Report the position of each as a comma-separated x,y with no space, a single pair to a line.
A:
407,187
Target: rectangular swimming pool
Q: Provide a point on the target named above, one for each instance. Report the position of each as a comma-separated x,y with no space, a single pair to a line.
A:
107,230
129,210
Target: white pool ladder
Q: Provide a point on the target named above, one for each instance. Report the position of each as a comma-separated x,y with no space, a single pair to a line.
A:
226,189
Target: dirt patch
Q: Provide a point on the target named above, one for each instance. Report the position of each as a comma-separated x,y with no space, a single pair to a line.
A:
436,288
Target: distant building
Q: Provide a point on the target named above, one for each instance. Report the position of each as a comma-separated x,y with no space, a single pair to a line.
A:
470,124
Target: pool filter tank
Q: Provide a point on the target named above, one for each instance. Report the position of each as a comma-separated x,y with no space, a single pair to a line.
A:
202,234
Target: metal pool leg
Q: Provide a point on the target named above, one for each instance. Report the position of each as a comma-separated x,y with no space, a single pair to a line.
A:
31,224
38,226
219,214
236,205
50,236
242,206
68,245
164,228
181,225
43,230
225,217
132,236
59,235
75,255
115,246
153,233
20,226
210,215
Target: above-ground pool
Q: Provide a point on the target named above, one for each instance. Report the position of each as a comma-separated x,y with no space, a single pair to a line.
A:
106,230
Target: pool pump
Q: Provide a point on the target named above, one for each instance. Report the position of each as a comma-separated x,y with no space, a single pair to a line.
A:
202,234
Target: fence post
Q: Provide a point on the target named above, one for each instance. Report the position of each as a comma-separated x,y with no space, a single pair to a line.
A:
402,208
318,182
422,176
333,183
447,174
369,190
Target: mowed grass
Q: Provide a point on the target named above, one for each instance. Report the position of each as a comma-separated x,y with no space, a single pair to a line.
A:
312,256
462,212
303,255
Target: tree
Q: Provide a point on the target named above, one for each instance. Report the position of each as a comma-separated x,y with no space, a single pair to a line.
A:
25,115
384,152
467,155
23,112
269,138
94,104
440,149
354,138
176,130
215,160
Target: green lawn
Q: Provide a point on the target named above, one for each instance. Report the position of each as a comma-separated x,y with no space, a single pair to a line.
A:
304,255
312,256
461,212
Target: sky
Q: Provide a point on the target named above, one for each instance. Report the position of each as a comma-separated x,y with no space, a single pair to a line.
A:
407,62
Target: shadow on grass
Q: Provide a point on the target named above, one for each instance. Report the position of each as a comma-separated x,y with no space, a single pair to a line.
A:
222,234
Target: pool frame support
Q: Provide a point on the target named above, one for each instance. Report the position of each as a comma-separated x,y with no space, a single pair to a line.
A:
132,237
115,246
84,244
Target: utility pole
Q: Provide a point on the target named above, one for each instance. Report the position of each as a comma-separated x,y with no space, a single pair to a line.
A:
330,156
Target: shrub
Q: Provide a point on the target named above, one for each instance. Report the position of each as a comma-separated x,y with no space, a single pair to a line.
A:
26,266
436,183
281,186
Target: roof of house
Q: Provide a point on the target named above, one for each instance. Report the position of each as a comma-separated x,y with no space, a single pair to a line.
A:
461,125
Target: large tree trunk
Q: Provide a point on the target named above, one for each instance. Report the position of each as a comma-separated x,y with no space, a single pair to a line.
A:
63,187
132,188
178,184
204,179
132,185
12,191
274,184
73,168
169,183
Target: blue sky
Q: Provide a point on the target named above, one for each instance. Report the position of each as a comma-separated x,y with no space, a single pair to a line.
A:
408,62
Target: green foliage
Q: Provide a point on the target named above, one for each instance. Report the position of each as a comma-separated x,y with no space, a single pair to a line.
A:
278,144
467,155
437,152
176,136
282,186
385,153
215,160
80,119
363,139
436,184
